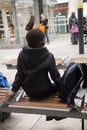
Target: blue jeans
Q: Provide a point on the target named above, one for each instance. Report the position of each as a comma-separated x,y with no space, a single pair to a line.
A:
46,35
74,38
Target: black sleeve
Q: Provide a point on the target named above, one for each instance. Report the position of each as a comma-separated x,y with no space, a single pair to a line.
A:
18,77
54,73
46,21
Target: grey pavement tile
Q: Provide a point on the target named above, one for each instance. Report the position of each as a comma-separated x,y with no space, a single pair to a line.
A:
65,124
20,122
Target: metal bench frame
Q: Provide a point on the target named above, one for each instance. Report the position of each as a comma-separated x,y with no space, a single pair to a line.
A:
67,112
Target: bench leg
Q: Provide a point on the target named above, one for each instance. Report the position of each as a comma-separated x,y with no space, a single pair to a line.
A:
2,117
82,124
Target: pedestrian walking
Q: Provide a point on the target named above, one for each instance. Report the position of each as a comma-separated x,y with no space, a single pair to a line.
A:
73,27
45,22
85,29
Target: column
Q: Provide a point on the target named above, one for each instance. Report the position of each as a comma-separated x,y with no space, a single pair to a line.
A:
80,25
38,7
14,13
6,29
36,10
73,6
40,4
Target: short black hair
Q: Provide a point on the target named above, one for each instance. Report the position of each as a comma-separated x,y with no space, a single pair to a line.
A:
35,38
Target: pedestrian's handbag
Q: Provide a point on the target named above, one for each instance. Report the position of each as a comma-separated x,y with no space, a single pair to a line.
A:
74,28
41,27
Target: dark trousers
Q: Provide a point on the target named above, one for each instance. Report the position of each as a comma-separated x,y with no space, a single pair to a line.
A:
74,38
53,89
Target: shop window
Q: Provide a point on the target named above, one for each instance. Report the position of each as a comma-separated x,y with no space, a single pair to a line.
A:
1,26
10,23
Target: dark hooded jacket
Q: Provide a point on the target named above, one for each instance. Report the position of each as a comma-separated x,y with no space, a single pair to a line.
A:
72,21
33,68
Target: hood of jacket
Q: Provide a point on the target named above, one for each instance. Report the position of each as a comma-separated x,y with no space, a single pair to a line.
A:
31,57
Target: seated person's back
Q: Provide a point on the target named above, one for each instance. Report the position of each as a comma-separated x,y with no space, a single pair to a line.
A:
34,65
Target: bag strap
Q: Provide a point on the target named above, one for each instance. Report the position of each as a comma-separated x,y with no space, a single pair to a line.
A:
80,68
70,70
71,97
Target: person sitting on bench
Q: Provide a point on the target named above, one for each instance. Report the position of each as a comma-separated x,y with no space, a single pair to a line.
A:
36,73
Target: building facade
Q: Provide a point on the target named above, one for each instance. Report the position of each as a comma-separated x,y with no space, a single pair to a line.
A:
62,11
14,15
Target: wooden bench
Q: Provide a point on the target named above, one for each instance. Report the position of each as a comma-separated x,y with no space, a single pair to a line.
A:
59,62
12,63
51,106
79,59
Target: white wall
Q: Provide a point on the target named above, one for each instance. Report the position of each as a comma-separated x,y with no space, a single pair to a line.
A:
56,1
85,9
63,1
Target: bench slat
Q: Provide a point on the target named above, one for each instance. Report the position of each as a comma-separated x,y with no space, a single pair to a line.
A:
52,101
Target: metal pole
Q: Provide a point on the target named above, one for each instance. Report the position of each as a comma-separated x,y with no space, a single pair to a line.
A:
80,25
82,124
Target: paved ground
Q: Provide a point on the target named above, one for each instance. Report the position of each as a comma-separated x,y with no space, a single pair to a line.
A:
60,46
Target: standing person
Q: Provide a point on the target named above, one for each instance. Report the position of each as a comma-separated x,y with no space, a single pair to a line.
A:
72,22
85,29
31,24
35,63
44,21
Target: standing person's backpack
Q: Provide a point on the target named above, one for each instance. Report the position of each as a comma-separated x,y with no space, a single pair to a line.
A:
71,81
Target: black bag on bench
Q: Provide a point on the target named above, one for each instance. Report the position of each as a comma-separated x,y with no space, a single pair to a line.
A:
74,76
